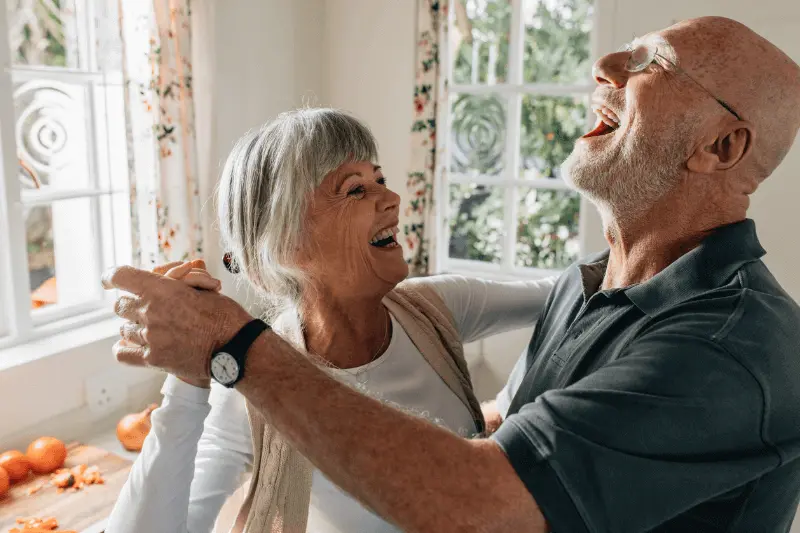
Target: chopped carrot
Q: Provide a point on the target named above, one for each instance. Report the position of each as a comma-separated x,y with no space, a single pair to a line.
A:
36,524
75,478
63,479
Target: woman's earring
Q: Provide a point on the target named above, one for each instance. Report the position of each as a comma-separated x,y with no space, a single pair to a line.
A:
230,264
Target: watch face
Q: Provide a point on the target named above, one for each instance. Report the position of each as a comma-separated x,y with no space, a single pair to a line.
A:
224,368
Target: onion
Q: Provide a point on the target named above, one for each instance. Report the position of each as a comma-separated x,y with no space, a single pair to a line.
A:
133,428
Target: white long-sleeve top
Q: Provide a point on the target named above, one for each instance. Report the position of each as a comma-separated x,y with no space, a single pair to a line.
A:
200,442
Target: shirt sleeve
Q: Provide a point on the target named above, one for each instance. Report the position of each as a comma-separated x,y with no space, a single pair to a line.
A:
187,468
482,308
672,423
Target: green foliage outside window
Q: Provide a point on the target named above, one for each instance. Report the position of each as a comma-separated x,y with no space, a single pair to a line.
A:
556,51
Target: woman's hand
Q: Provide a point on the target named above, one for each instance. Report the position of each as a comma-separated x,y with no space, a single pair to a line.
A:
492,416
194,274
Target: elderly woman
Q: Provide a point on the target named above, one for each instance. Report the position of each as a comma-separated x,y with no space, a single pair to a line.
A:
305,211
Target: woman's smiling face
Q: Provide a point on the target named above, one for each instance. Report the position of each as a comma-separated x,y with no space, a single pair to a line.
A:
349,243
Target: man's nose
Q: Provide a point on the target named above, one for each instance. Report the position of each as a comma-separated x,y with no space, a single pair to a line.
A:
610,69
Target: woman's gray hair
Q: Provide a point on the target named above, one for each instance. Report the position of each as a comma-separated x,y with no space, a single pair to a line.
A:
265,188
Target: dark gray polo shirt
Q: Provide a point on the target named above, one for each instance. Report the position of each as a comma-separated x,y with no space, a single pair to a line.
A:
669,406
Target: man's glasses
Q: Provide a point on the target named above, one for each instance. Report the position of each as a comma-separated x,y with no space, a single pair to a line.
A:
643,54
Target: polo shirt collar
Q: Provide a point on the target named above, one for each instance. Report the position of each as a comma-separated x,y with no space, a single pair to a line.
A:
709,265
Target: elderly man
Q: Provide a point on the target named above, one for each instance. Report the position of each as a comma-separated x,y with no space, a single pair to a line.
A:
661,390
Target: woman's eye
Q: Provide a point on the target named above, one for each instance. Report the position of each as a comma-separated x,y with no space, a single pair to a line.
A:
356,191
381,181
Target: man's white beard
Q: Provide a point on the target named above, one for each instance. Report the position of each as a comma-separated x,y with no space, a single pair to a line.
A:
627,183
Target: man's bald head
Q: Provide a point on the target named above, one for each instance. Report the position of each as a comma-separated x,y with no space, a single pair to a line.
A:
758,80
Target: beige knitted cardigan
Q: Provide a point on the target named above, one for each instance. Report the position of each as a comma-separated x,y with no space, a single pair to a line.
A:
280,489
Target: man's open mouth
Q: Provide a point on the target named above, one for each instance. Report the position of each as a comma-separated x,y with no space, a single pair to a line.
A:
607,122
385,238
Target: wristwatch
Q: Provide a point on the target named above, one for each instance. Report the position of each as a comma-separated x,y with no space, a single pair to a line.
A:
227,363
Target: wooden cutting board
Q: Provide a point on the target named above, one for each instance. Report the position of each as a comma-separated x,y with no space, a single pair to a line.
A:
73,509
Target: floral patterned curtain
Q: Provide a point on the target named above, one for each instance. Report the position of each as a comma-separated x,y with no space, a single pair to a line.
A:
165,202
430,92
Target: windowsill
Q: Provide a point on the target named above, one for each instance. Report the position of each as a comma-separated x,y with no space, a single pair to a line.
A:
101,329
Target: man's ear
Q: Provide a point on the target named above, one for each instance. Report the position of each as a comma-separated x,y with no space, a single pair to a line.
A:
731,146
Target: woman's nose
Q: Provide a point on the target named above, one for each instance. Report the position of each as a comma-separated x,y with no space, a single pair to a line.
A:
389,200
610,69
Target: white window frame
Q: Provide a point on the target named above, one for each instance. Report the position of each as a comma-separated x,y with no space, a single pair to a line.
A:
107,191
511,182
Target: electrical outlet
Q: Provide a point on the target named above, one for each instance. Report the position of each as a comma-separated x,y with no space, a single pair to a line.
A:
106,392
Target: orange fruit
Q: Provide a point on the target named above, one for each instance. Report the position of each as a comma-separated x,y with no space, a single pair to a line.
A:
15,464
46,454
5,481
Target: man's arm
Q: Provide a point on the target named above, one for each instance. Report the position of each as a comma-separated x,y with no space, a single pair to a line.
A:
417,475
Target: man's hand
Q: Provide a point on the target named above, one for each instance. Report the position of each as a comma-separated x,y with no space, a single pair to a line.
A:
171,325
199,278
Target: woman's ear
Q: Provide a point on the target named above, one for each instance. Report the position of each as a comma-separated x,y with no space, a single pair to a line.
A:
728,149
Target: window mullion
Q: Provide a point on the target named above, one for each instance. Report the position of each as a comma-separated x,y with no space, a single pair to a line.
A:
511,192
513,121
15,290
84,34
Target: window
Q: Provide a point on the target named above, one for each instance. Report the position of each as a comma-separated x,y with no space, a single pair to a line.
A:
64,202
519,76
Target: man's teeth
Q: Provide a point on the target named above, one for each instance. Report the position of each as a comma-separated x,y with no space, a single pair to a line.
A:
384,234
607,116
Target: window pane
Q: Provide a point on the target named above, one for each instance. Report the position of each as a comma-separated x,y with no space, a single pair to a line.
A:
550,126
476,222
62,253
480,41
41,256
478,134
52,132
547,232
43,32
557,47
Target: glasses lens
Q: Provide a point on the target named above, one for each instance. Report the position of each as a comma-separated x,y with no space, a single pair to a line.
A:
640,58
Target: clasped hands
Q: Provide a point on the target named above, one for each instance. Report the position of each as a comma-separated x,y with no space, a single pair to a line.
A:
169,323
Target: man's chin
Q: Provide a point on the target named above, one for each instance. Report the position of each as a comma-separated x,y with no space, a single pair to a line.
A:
580,174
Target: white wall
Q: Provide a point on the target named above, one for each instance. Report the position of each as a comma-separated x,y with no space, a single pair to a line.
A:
369,57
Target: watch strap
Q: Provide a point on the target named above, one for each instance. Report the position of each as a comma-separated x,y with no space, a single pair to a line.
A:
241,342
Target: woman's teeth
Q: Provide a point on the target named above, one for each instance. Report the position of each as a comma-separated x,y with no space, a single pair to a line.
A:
385,238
